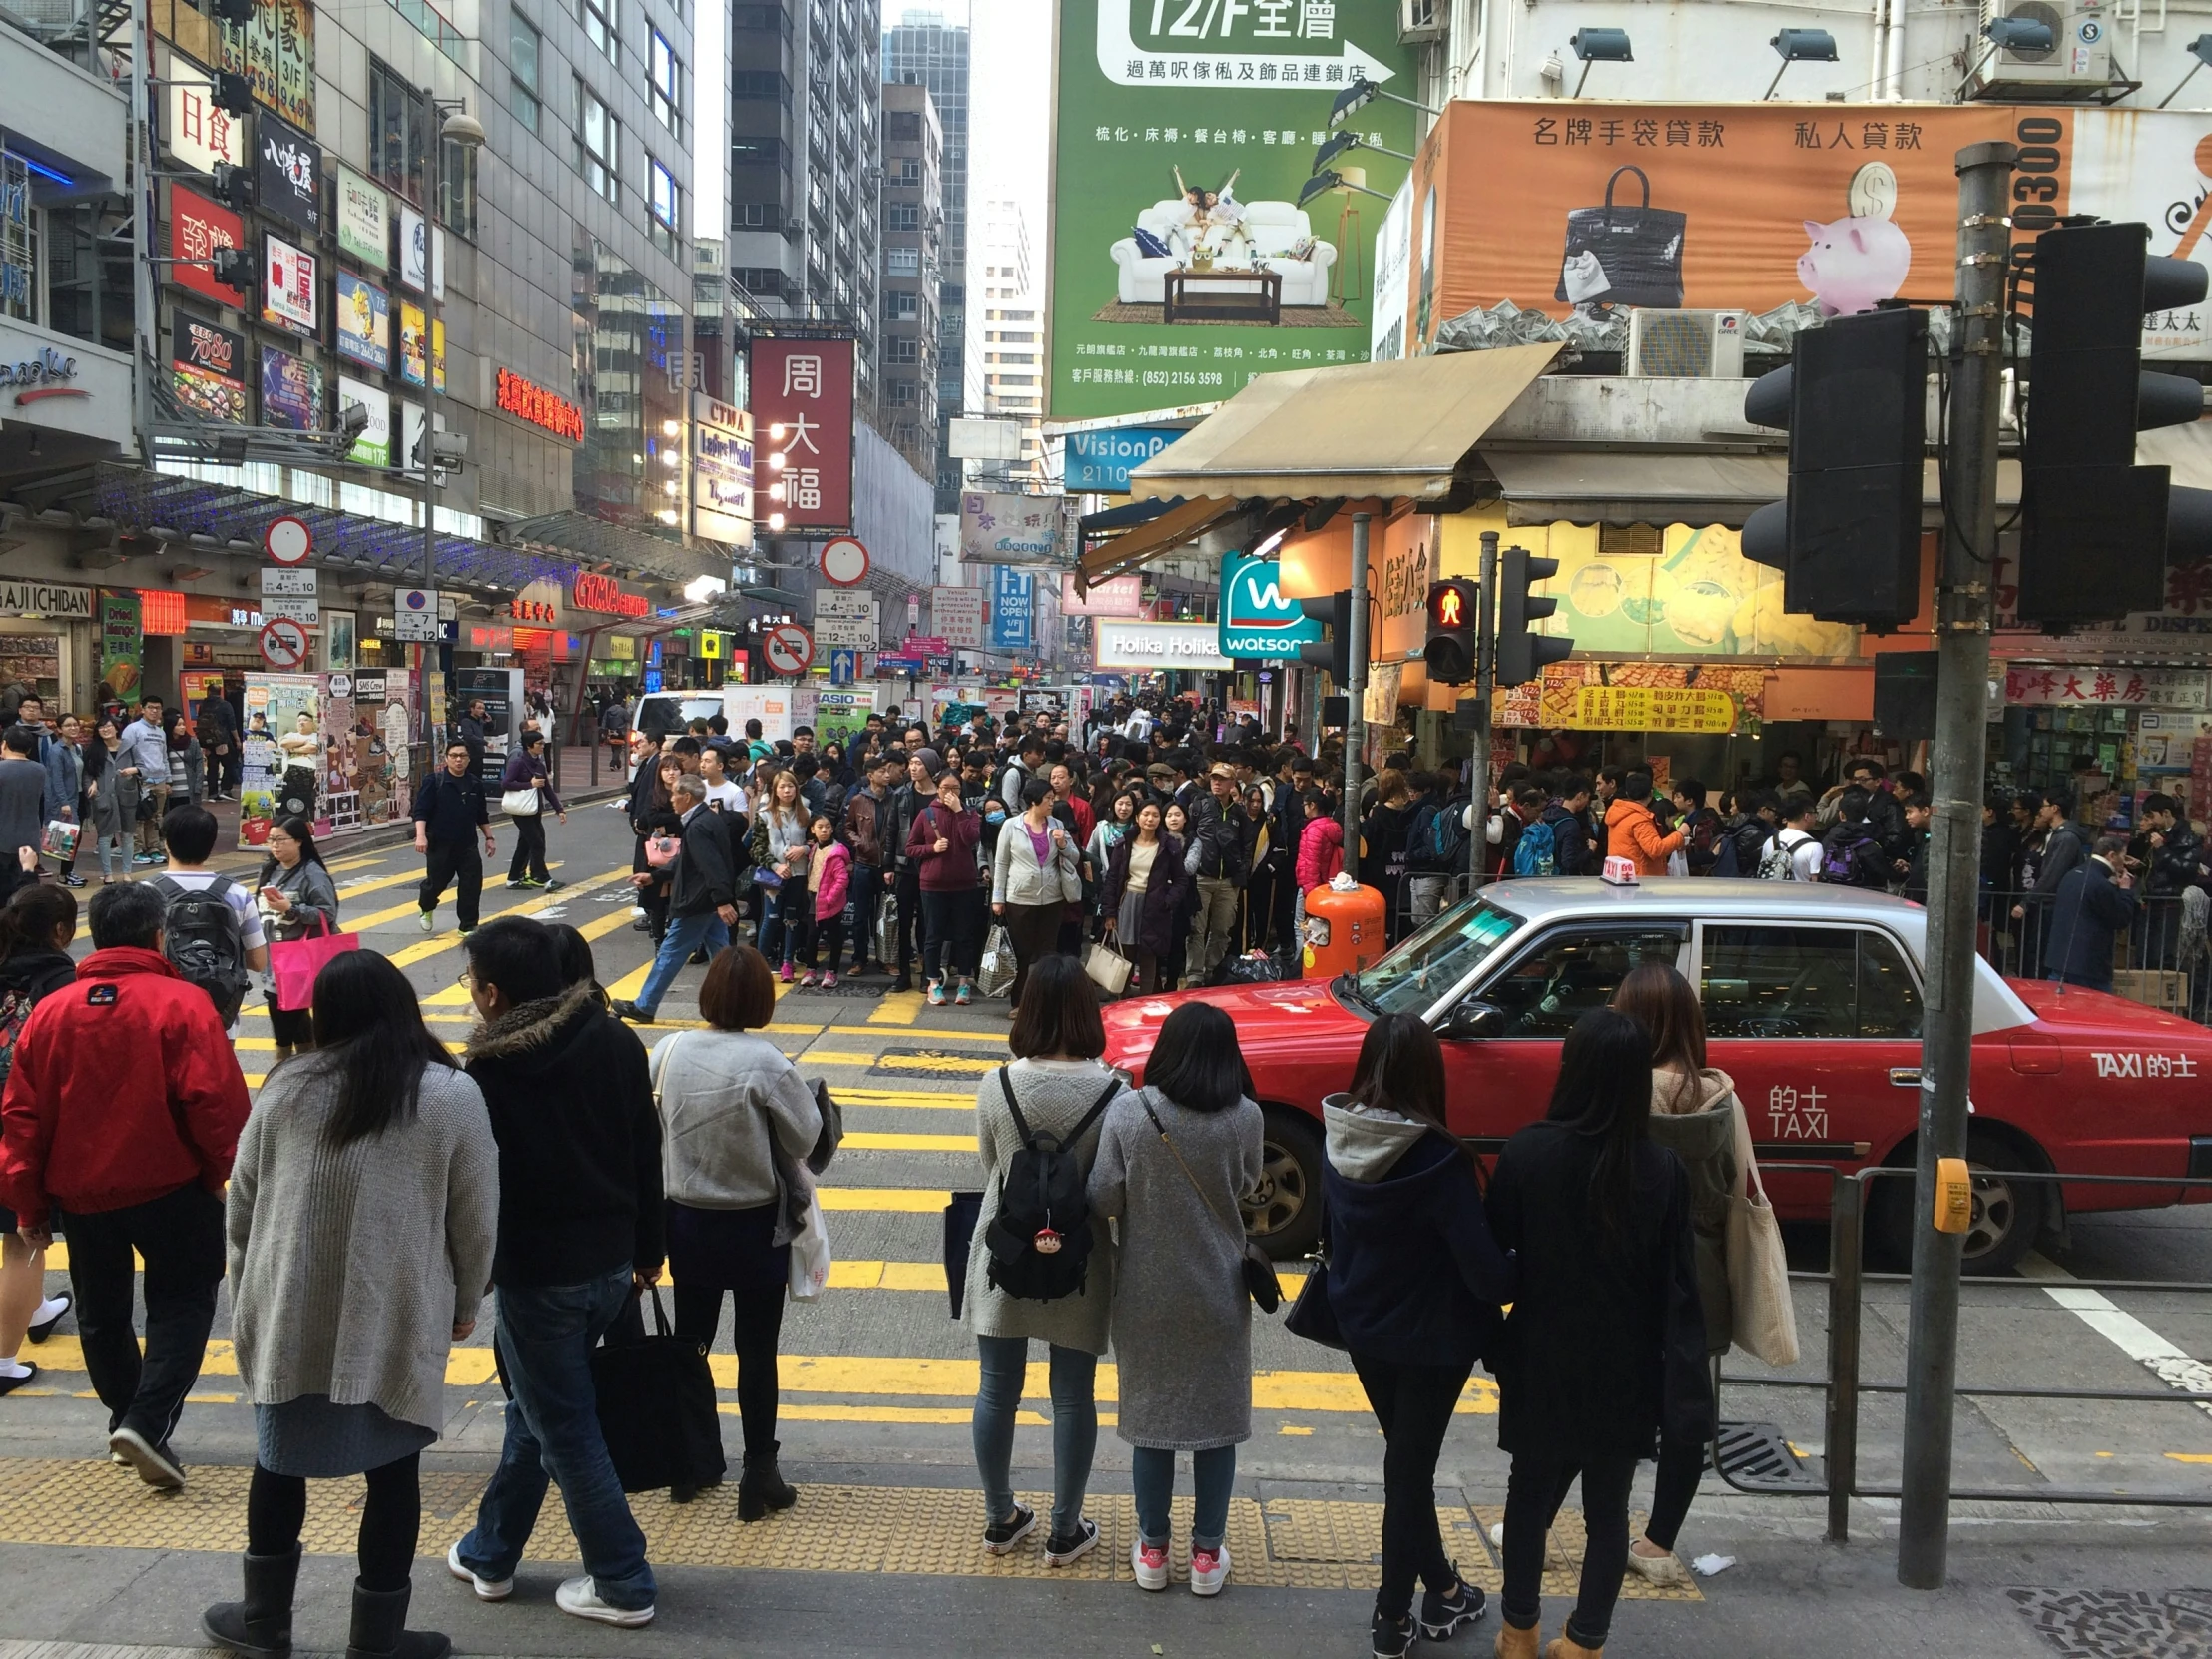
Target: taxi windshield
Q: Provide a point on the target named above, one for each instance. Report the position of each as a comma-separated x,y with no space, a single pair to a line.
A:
1414,976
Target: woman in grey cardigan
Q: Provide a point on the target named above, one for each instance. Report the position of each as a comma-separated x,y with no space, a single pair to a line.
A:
1174,1160
1062,1090
363,1205
297,897
1035,876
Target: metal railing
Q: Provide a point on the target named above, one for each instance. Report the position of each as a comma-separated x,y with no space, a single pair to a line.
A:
1843,1388
2019,947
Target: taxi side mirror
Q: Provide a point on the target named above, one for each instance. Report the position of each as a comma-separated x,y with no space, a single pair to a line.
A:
1471,1021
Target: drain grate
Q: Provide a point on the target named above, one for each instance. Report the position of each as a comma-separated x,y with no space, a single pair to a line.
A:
1755,1455
2121,1624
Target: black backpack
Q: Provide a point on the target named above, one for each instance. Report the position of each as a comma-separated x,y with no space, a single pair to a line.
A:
1040,1240
202,940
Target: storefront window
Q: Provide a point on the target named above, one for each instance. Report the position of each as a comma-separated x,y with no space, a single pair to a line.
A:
18,242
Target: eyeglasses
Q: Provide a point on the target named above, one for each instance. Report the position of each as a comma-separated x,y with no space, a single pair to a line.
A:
466,979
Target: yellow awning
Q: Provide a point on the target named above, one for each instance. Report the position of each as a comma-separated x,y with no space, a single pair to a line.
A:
1365,429
1162,536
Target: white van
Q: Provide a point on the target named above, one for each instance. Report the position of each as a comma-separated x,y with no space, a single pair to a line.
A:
669,714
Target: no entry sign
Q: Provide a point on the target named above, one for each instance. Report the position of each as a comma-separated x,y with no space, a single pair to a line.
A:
845,561
284,644
287,540
789,649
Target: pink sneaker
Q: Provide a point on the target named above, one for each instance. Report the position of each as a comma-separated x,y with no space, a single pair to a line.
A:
1150,1564
829,982
786,975
808,980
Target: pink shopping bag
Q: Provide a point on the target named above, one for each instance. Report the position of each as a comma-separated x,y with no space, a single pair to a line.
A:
296,962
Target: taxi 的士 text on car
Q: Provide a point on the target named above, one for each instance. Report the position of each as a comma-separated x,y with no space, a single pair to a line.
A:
1812,999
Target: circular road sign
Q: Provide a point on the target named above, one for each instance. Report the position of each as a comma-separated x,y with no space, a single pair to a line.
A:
287,540
790,648
845,561
284,644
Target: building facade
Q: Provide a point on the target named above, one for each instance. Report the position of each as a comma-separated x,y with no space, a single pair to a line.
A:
922,49
914,254
1009,324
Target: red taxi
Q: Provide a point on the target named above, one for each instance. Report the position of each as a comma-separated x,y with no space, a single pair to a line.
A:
1812,1004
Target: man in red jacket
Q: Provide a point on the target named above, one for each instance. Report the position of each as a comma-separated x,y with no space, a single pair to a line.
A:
120,1116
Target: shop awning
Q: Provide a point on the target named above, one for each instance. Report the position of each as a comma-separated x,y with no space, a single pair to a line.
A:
1616,487
1365,429
1174,528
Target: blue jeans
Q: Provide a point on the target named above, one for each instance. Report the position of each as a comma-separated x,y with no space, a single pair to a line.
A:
1213,1475
545,1338
1074,1426
778,936
684,934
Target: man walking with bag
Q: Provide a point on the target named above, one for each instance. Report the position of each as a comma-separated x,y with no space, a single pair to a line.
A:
702,898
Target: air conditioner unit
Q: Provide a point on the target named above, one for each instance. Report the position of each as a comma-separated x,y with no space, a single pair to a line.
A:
1686,345
2076,64
1422,20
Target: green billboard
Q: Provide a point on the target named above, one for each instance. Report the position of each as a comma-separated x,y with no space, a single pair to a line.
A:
1182,262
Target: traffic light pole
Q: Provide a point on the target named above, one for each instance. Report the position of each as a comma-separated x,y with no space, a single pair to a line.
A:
1955,851
1356,685
1486,658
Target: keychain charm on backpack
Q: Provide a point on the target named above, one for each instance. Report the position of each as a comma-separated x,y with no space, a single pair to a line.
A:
1047,1241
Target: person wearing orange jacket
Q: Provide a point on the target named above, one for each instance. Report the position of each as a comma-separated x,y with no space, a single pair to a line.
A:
1632,832
121,1114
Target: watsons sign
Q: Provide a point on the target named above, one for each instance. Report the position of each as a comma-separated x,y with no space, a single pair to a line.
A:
1256,620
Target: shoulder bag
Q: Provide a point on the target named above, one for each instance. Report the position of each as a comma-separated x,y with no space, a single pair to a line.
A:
1759,1278
1313,1316
522,803
1259,1272
293,963
654,1398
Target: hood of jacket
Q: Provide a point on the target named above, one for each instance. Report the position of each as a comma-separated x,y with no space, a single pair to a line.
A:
36,971
1365,1143
532,1034
1698,1123
121,959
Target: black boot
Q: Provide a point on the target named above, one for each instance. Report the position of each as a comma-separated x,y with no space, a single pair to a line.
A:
260,1626
761,1488
381,1628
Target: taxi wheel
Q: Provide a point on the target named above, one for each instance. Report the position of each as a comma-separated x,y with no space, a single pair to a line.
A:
2007,1215
1283,1213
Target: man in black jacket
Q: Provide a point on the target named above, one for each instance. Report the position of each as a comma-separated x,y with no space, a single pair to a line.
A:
449,814
2171,856
1571,845
580,1229
905,876
701,896
2063,850
2094,905
217,728
469,729
1218,858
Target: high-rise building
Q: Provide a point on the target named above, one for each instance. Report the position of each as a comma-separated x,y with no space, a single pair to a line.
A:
914,252
805,109
1010,332
923,50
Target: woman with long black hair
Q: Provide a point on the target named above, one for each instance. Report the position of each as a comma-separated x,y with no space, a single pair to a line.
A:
1415,1281
362,1210
297,897
1604,1350
36,927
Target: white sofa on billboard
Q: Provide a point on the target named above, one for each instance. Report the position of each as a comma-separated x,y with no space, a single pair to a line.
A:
1270,230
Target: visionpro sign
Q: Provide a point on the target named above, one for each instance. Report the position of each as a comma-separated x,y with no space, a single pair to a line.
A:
1256,620
1102,461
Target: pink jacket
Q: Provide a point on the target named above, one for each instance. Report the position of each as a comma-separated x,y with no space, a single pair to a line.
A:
837,878
1321,853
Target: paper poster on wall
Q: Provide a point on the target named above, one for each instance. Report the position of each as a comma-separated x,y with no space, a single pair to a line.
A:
291,391
282,770
364,323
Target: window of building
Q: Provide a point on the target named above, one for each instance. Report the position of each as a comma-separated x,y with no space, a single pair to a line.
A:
664,200
903,215
760,83
457,189
755,216
598,147
903,262
903,393
398,130
524,45
903,350
748,151
909,172
19,223
665,83
902,307
598,18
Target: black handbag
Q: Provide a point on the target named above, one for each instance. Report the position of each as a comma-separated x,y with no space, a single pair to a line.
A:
961,1216
655,1401
1313,1316
1623,256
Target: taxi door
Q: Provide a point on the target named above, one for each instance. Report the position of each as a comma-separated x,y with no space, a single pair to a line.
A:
1819,1025
1501,1042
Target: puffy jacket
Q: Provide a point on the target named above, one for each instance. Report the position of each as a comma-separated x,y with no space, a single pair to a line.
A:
1321,852
1570,842
1018,877
955,868
836,864
1217,840
1631,833
124,1088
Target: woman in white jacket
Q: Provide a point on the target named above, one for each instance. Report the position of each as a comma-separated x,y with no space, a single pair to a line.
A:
1035,877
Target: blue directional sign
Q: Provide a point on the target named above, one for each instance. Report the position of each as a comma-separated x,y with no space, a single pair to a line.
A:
843,664
1013,599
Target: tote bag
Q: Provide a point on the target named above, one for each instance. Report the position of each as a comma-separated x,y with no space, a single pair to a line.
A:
522,803
1623,256
810,1262
293,963
1108,968
654,1398
1759,1280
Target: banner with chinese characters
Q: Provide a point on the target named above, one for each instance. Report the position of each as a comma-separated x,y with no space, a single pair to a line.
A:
277,52
803,433
197,228
1569,697
2093,683
1573,210
1652,709
1184,263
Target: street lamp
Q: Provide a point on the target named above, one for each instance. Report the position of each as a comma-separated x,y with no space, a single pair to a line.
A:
1800,46
1599,46
449,118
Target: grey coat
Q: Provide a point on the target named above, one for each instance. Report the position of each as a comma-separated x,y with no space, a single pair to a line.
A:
1182,1324
349,1269
1054,1095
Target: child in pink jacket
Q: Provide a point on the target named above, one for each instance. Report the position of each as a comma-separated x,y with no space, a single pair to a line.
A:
829,878
1321,853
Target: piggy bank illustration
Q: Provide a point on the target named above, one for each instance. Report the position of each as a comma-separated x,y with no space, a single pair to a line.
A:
1854,264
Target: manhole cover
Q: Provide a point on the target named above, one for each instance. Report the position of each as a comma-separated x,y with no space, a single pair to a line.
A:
1755,1455
2121,1624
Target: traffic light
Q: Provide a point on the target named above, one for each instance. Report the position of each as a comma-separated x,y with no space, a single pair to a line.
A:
234,185
1334,611
2094,525
233,94
1848,539
1523,655
1449,652
233,269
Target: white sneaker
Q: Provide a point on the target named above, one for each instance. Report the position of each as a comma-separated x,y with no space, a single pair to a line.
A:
487,1589
578,1597
153,1464
1209,1570
1150,1564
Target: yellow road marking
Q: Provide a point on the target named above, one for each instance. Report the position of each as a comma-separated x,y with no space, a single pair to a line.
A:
862,1141
993,1039
897,1008
2179,1456
884,1201
543,901
912,1100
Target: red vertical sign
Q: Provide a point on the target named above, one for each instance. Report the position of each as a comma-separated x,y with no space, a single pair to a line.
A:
197,228
802,390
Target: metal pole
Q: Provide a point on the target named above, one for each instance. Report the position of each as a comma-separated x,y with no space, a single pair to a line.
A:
1486,658
430,410
1356,669
1955,852
1844,1243
138,127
